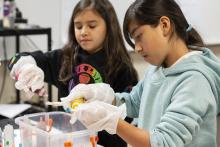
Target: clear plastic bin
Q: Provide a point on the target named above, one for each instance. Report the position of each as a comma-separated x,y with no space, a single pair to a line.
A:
53,129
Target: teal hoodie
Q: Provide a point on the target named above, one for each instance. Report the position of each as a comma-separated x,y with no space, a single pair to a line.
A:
178,105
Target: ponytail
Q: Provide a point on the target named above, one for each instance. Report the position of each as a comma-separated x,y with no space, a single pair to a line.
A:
193,37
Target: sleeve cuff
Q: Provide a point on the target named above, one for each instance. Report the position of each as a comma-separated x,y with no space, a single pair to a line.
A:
119,99
122,98
155,140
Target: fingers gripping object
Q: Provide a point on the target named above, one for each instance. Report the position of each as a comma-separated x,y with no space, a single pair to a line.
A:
76,102
69,106
91,92
29,77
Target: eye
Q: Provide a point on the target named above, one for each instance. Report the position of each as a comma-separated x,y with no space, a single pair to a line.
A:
92,25
78,27
138,37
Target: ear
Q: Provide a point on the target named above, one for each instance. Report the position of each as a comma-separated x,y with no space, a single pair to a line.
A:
165,25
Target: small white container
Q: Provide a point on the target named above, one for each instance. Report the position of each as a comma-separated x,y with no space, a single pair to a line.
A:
53,129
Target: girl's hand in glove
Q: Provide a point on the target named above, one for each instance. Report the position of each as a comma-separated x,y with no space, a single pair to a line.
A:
98,116
91,92
29,77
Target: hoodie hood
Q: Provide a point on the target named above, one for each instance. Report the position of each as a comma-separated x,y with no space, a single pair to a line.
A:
206,63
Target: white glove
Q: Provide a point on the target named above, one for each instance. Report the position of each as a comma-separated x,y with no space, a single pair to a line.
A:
29,76
91,92
98,116
21,62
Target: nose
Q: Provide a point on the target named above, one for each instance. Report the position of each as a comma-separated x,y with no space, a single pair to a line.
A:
84,31
138,48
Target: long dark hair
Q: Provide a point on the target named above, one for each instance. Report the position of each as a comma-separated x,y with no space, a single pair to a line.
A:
114,46
150,11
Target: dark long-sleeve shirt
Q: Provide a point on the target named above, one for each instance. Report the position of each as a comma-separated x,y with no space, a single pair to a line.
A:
89,68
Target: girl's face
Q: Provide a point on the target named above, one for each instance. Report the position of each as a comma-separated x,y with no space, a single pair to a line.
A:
150,42
90,30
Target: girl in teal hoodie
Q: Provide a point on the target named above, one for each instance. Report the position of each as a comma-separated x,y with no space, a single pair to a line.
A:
177,101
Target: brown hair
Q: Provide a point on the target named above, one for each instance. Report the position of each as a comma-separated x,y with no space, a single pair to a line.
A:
150,11
114,47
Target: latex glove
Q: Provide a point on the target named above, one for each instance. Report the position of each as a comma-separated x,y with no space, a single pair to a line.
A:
98,116
91,92
20,63
29,77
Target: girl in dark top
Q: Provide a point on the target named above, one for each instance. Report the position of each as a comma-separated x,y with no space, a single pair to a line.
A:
95,53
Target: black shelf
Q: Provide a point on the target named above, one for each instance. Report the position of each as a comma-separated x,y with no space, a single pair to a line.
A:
29,31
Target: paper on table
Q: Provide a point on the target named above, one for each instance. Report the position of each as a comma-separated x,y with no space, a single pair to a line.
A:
11,110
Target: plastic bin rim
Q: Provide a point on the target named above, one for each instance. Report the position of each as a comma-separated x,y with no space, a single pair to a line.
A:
76,134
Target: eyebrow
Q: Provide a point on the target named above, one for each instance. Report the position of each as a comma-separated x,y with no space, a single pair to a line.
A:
90,21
